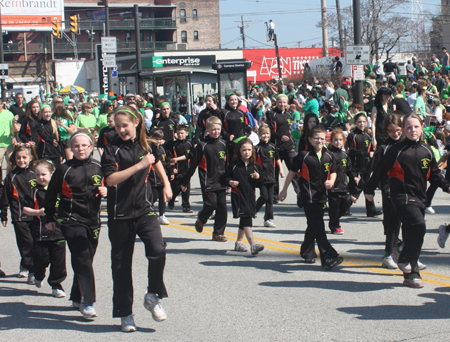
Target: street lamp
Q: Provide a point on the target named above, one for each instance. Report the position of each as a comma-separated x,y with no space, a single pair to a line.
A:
91,35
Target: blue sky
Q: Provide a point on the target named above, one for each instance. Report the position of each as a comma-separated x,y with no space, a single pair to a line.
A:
295,21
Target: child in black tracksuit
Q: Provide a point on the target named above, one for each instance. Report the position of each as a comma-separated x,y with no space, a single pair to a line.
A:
49,145
78,184
244,176
339,199
267,158
409,164
210,110
179,152
361,151
211,158
165,123
17,194
107,134
49,245
316,169
155,143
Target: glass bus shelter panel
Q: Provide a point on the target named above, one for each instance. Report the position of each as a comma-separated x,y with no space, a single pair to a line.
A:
175,93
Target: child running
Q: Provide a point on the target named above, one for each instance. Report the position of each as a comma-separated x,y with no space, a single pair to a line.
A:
316,170
244,175
409,163
126,163
18,193
47,129
210,156
267,158
339,199
49,245
78,184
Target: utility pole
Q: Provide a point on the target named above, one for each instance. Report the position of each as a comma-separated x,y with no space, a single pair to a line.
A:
2,58
91,35
138,49
324,28
339,18
110,83
242,31
280,72
357,38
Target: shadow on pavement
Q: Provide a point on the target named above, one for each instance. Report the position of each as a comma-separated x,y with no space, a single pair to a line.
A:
18,315
347,286
437,309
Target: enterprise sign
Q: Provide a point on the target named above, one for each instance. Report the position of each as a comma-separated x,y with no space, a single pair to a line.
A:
177,61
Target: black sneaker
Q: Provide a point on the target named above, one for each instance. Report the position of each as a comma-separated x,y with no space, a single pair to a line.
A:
347,213
171,205
330,263
198,226
275,200
187,210
310,261
375,213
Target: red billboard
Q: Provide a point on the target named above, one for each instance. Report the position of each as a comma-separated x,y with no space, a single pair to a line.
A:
292,61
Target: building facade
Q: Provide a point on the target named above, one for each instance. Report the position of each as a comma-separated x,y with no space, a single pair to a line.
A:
164,25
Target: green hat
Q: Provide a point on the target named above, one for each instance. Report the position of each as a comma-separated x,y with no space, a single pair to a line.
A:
108,102
149,105
112,98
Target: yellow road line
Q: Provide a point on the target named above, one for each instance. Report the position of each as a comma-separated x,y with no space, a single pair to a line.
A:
427,277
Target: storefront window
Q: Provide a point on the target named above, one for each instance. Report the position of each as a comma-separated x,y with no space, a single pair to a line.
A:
231,82
175,93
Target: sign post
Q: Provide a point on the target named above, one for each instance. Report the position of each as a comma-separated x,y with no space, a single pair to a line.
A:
358,55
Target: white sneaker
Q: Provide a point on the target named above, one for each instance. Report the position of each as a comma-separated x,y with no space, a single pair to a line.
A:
88,311
128,324
430,210
163,220
38,283
213,216
443,236
256,248
30,279
176,199
58,293
240,247
23,272
152,304
269,223
421,266
76,305
388,262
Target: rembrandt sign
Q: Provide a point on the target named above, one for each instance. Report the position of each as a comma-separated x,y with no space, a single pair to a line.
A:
21,15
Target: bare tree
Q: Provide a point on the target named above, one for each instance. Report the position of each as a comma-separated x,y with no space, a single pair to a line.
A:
382,26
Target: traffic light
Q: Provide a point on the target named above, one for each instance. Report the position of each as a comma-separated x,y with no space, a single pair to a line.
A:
56,29
74,23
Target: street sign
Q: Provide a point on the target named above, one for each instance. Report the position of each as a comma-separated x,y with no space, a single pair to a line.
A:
109,45
358,54
4,71
99,16
109,61
114,72
358,72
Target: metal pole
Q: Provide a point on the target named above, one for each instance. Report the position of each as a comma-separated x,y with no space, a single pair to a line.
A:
110,84
2,57
52,47
25,45
357,37
280,73
324,28
341,39
243,33
92,42
138,50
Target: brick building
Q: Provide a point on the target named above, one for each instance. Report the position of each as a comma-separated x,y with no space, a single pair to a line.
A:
165,25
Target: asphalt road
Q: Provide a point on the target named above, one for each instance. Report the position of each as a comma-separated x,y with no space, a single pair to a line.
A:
216,294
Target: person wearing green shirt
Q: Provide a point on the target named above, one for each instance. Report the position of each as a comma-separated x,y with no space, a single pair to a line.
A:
295,116
95,109
66,127
102,120
85,119
312,106
6,133
419,104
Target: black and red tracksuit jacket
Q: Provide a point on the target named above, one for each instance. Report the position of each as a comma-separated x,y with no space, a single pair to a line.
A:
359,145
234,122
40,233
211,158
266,157
129,199
312,173
243,199
179,148
75,183
18,193
28,130
105,136
345,173
168,126
45,147
409,165
280,124
204,115
153,177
